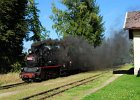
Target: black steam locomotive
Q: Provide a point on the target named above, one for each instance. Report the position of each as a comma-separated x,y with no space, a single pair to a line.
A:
46,60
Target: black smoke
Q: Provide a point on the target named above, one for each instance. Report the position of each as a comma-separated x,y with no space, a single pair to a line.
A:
84,56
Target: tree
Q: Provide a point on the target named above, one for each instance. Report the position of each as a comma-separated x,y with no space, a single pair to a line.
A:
80,18
13,28
34,24
17,19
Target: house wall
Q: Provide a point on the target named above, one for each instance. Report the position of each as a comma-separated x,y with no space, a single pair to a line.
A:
136,38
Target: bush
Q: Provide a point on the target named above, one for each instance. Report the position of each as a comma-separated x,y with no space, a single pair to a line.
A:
16,67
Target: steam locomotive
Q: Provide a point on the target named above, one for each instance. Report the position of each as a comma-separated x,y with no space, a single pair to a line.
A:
44,61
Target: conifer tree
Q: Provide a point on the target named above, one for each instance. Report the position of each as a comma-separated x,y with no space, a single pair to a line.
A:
18,18
13,28
34,24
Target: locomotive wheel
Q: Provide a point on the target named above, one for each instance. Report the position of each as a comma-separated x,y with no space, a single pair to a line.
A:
53,73
63,73
27,80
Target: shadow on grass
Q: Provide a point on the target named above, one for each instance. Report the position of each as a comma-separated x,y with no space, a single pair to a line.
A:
129,71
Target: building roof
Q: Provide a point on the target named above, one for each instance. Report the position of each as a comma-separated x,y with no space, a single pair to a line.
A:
132,20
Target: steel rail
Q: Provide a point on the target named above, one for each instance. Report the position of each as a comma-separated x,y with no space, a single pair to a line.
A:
12,85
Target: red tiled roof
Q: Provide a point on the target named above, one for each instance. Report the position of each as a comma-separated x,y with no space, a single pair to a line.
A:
132,20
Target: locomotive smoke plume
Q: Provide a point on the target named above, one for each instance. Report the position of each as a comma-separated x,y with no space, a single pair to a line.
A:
113,51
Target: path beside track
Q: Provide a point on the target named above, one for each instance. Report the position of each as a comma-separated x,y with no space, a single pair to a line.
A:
113,78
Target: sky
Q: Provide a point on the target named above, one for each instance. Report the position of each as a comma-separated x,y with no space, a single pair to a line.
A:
113,12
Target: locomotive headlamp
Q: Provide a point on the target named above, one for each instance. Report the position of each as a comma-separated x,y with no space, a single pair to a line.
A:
64,65
37,69
50,61
29,51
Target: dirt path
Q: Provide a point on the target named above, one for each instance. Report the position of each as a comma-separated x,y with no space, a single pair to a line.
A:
103,85
8,93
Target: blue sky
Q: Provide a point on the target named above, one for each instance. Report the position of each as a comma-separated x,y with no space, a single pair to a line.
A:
113,12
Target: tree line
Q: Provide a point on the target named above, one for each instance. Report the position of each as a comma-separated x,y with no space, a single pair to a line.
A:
19,18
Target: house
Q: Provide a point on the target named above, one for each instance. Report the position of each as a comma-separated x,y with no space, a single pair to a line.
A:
132,24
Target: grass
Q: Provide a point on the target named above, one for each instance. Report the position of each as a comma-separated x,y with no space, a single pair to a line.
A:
127,87
26,90
81,91
75,93
84,90
126,67
9,78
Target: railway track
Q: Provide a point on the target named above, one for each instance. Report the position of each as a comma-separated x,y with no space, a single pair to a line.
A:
12,85
52,92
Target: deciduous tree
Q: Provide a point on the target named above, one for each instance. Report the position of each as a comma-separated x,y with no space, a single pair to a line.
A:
80,18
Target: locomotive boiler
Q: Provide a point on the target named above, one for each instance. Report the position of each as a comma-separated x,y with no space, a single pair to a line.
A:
45,60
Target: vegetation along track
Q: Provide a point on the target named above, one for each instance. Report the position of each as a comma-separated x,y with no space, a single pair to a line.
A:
12,85
49,93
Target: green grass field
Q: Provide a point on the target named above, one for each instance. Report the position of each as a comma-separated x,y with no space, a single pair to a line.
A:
127,87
